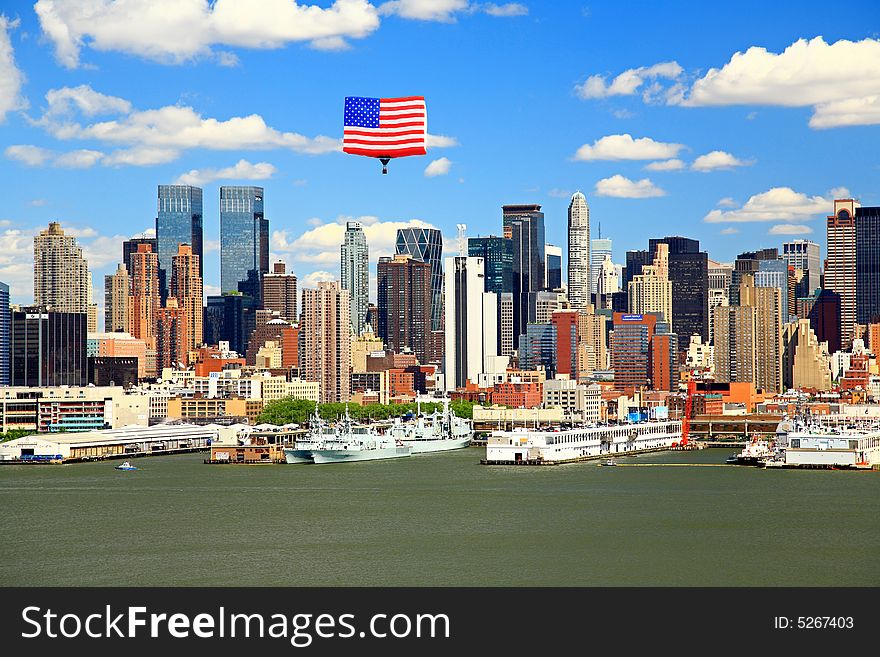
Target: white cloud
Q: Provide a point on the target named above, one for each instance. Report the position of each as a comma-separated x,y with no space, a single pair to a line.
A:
79,159
439,167
174,31
241,170
503,11
559,193
102,250
628,82
665,165
311,280
727,202
807,73
228,59
424,10
38,202
789,229
624,147
320,244
718,160
839,192
440,141
210,245
621,187
158,136
847,112
776,204
17,264
32,156
729,231
11,77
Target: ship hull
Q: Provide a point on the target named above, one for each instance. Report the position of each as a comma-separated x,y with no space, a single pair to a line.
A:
438,445
297,456
326,456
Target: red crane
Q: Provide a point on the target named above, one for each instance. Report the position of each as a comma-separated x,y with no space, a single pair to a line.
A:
688,410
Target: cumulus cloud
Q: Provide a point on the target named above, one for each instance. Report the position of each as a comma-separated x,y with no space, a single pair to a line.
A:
556,192
503,11
439,167
241,170
729,231
157,136
315,277
840,81
319,246
440,141
627,83
718,160
17,264
776,204
621,187
807,73
11,77
665,165
175,31
624,147
727,202
32,156
790,229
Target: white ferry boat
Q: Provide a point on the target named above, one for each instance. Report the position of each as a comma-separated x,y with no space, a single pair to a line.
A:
755,453
831,443
439,432
522,446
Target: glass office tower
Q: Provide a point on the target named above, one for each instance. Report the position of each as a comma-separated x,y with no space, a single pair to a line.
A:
178,221
426,244
244,240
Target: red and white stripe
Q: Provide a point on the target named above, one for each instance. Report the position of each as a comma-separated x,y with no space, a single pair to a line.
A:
403,130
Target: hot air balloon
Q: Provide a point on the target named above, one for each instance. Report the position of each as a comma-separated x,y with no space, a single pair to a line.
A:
385,128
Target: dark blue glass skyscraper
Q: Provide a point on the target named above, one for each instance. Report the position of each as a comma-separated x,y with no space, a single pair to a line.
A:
244,240
4,334
426,244
178,221
867,265
524,225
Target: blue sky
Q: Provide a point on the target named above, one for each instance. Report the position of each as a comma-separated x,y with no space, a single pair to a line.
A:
525,101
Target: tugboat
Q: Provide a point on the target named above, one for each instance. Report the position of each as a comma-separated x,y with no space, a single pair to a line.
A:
755,453
125,465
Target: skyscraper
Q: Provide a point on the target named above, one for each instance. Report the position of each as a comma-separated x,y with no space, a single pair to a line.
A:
767,302
178,221
805,362
537,348
173,342
230,318
840,270
867,265
497,255
426,244
553,275
325,331
4,334
61,273
580,278
116,290
471,314
631,350
735,336
689,275
186,288
131,246
48,348
524,225
144,299
404,298
599,249
244,240
279,292
567,333
804,255
651,291
355,273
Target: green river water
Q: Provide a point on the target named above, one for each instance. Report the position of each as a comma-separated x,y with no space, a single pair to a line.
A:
438,519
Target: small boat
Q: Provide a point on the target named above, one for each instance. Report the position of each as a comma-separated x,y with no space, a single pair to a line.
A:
125,465
610,462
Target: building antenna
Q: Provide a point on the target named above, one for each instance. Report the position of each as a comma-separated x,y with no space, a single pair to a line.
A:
600,230
462,240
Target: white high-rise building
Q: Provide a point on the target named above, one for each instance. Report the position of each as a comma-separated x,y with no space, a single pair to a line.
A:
651,291
355,274
579,265
471,315
607,283
600,248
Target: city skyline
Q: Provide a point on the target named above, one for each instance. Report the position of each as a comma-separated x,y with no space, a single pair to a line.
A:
715,162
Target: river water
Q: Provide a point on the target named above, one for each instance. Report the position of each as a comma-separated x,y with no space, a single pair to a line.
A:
439,519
